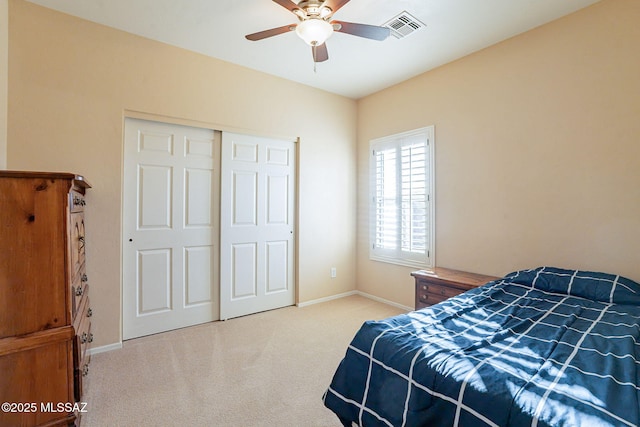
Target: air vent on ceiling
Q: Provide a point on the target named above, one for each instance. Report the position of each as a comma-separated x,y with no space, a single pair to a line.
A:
403,25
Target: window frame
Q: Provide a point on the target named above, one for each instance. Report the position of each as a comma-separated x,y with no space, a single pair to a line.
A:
398,255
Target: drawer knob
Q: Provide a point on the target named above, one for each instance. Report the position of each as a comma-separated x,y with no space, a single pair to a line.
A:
90,337
89,313
83,338
425,287
84,278
79,291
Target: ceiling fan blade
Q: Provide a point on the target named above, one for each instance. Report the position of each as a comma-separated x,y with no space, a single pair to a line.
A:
270,33
287,4
334,5
361,30
320,53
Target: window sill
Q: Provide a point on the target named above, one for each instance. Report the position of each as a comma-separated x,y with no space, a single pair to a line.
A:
403,262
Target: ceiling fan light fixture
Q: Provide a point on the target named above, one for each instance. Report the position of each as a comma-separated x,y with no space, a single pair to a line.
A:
314,31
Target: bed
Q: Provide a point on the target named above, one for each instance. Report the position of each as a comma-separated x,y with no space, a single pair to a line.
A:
539,347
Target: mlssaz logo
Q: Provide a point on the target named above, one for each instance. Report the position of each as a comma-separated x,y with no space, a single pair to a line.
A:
63,407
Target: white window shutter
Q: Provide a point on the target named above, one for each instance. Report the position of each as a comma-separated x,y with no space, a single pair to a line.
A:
401,201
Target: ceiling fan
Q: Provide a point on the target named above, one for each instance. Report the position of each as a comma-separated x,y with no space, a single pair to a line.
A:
316,26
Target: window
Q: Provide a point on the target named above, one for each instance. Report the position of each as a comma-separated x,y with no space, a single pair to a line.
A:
402,208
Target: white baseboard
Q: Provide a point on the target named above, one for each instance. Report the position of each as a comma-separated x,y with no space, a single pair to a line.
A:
105,348
326,299
362,294
385,301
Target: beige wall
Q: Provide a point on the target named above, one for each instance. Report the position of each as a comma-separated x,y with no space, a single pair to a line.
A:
4,81
70,83
537,154
537,151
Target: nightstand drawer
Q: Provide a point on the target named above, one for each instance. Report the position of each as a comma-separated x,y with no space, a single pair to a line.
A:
433,287
425,299
444,291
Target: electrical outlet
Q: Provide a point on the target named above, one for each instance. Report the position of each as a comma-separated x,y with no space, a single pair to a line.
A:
333,272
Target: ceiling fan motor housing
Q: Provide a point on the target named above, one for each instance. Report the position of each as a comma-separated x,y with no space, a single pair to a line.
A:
312,9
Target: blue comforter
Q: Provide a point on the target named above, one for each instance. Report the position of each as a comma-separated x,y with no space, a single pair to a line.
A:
540,347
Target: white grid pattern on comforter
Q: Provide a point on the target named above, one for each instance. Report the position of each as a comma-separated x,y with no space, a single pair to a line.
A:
514,352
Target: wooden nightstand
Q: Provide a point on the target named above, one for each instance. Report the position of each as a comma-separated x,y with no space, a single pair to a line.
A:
439,284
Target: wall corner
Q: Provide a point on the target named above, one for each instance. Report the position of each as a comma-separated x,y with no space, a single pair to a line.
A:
4,79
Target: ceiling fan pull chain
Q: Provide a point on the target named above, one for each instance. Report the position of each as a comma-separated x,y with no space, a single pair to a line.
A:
314,58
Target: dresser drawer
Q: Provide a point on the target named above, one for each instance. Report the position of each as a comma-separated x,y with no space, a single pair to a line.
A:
76,245
77,201
79,288
80,372
78,377
81,343
84,337
84,310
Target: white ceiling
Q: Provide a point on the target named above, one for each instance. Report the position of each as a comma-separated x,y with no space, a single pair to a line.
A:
356,66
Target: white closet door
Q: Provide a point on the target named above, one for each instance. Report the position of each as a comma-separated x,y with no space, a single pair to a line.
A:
257,225
170,255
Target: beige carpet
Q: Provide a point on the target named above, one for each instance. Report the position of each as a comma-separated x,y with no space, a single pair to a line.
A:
267,369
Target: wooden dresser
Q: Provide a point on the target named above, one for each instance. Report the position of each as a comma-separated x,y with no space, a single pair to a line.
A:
45,319
439,284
